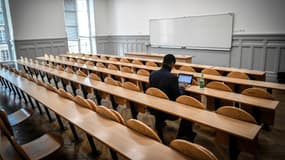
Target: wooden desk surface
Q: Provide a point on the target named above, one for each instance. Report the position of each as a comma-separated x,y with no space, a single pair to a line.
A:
231,126
102,70
179,63
157,56
259,74
109,62
118,137
237,81
236,97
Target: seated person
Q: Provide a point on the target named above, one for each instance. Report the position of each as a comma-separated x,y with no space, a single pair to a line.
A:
168,83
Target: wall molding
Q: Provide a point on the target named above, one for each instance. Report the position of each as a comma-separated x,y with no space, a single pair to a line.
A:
38,47
264,52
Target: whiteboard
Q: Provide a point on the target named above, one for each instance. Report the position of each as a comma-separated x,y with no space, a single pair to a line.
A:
194,32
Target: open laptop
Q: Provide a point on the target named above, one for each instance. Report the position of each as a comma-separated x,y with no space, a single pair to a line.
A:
185,78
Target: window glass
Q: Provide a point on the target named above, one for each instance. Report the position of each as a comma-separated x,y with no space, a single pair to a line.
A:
79,15
6,49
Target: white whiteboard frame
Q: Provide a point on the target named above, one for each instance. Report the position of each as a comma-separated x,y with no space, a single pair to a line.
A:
195,47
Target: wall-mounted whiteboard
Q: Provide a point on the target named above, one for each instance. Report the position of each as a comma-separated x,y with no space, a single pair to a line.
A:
194,32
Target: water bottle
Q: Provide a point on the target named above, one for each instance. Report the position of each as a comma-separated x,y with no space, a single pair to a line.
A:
202,81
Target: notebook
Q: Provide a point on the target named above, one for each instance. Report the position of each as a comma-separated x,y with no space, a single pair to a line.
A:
185,78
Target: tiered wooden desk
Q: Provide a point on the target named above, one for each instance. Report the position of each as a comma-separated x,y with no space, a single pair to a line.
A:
231,126
118,137
254,74
236,81
234,128
156,56
265,104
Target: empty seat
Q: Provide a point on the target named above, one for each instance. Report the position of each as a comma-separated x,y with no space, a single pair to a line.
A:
240,114
59,67
187,68
192,150
262,115
240,75
92,104
137,107
211,71
135,61
184,99
72,60
100,65
82,102
81,73
35,149
113,67
65,94
80,61
116,68
103,57
90,63
156,92
85,89
18,116
143,72
142,128
159,116
94,77
110,114
124,60
257,92
236,113
117,100
193,102
127,69
113,59
150,63
214,103
94,56
219,85
50,87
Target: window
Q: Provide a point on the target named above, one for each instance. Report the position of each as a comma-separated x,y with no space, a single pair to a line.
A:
6,43
79,24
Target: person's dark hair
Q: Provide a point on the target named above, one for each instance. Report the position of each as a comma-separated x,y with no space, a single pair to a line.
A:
169,59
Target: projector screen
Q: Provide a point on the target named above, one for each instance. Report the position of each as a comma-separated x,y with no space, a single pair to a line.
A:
194,32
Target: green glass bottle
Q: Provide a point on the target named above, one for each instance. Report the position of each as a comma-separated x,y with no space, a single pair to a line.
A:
202,81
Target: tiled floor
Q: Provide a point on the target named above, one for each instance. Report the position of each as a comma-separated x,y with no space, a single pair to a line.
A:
271,143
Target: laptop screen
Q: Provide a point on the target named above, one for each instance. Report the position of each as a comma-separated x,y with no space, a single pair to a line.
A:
185,78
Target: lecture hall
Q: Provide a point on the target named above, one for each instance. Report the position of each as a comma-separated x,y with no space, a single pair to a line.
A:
142,79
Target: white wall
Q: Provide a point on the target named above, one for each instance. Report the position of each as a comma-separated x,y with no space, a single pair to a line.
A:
131,17
37,19
102,17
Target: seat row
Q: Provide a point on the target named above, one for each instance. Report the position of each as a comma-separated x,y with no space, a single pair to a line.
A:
211,71
229,107
263,116
258,75
234,81
193,150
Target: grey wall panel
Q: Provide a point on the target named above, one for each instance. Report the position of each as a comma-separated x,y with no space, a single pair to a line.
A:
282,60
271,63
246,57
260,52
35,48
47,49
235,56
258,58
